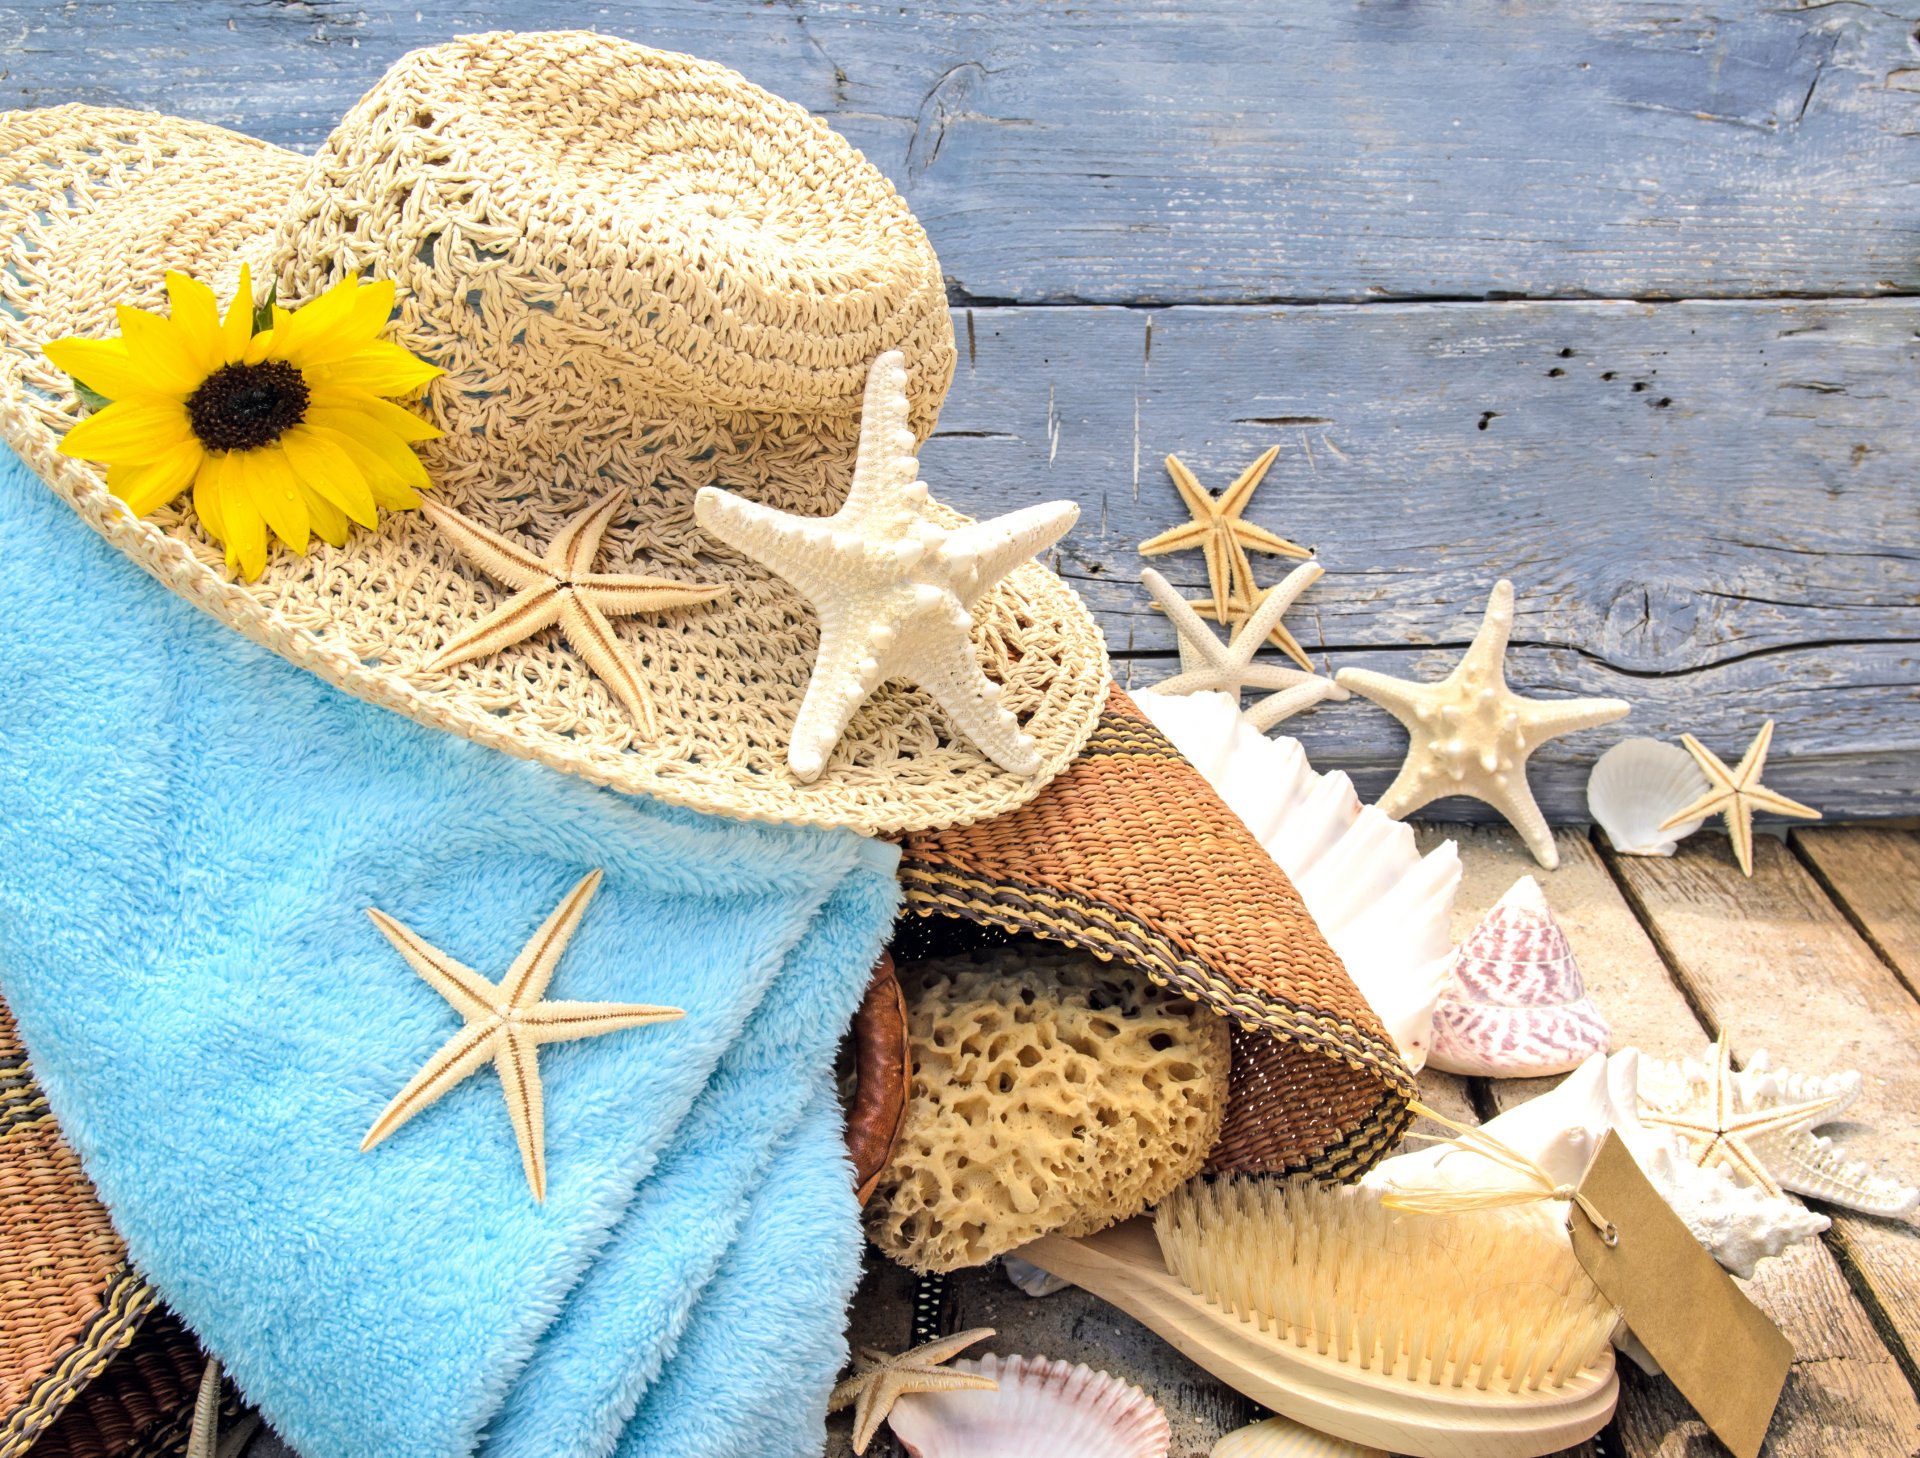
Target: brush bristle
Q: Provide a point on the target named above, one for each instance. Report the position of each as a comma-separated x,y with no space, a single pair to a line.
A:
1484,1298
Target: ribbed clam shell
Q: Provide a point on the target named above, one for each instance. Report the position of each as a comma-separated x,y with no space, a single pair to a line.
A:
1042,1409
1281,1437
1516,1006
1635,786
1382,906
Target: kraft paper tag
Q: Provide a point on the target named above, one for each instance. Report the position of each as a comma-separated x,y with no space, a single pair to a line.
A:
1721,1351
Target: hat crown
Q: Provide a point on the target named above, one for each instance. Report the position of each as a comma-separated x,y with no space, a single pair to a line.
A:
584,227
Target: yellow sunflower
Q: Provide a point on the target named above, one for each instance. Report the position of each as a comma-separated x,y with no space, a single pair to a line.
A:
283,429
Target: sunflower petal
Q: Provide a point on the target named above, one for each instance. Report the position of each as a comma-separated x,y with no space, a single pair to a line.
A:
378,368
328,521
382,413
327,471
246,529
160,348
152,484
106,367
275,495
238,326
207,486
329,338
196,319
392,485
320,328
128,432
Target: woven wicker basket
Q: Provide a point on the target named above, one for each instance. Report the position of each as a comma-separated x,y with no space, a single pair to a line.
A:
1132,856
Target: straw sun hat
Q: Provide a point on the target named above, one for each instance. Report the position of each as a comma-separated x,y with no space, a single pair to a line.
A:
641,275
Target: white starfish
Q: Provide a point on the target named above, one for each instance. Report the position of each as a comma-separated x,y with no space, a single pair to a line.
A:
504,1024
1208,664
1470,734
893,589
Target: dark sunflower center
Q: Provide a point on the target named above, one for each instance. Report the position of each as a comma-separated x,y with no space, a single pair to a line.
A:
241,407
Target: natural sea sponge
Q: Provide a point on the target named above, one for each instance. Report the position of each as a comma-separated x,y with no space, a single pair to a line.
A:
1051,1092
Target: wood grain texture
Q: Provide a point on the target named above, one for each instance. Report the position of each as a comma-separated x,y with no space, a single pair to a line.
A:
1738,539
1773,963
1210,150
1873,876
1845,1386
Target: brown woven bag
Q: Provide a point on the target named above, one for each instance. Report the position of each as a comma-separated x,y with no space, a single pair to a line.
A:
1132,856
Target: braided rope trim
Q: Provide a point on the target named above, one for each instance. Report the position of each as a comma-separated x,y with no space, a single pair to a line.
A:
127,1301
1112,933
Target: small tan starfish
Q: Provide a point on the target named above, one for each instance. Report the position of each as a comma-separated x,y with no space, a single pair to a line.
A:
880,1380
1286,592
505,1023
1737,793
1722,1135
1218,531
562,587
1470,734
1208,664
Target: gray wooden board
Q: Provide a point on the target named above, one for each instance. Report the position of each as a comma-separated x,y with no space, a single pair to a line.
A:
1212,150
1737,540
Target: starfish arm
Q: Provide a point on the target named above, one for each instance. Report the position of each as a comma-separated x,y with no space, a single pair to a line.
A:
946,1348
1774,803
1755,759
572,552
1711,765
471,994
1228,576
980,554
1234,499
518,1064
493,554
1397,696
562,1022
1257,626
798,549
1182,538
1544,719
618,596
456,1060
526,980
1259,539
1290,645
1711,803
1739,817
1288,702
1415,786
1487,653
594,639
884,462
1734,1155
876,1401
844,676
514,621
1198,643
1199,501
1515,801
951,673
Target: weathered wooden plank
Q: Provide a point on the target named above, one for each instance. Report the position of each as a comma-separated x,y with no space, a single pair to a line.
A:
1846,1388
1773,964
1211,150
1874,878
1740,539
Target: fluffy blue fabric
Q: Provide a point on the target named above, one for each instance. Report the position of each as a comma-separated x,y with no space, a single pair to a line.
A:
191,831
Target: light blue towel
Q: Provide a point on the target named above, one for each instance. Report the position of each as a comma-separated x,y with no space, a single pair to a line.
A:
191,831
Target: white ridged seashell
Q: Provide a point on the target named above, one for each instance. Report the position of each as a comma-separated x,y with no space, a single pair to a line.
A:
1635,786
1282,1437
1516,1006
1042,1407
1386,910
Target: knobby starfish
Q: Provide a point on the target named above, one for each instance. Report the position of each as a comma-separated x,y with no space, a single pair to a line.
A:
505,1023
880,1380
1723,1133
1218,530
1208,664
1795,1157
1471,735
562,587
1286,592
893,589
1737,793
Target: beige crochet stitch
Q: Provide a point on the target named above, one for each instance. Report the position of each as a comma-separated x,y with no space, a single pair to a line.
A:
1051,1092
639,272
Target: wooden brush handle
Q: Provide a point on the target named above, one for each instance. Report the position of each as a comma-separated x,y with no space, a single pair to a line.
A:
883,1064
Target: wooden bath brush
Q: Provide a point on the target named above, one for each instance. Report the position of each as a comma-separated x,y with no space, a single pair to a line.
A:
1467,1335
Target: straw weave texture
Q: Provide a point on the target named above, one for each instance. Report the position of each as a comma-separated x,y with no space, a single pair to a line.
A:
1132,856
638,270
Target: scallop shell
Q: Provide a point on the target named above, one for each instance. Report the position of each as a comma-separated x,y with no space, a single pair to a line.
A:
1281,1437
1635,786
1386,910
1042,1407
1516,1006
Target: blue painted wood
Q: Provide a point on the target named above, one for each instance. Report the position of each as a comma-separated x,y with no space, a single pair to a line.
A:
1212,150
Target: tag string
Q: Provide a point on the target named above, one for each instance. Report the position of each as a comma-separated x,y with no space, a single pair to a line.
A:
1437,1200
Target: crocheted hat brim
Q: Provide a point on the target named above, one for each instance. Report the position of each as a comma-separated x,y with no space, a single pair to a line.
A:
100,204
1132,856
